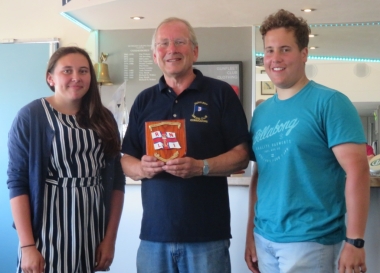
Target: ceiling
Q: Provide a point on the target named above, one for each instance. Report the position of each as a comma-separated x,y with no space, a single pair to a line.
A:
354,41
115,14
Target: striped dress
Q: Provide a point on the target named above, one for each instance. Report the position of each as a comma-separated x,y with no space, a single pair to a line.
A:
74,213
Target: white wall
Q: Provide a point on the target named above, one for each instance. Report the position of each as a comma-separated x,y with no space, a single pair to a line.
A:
38,19
341,76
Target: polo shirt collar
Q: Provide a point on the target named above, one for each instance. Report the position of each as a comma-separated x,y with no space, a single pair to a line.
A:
194,85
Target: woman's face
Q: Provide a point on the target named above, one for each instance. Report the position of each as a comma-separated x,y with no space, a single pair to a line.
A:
71,77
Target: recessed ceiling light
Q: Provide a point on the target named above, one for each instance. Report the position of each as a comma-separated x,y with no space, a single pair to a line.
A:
313,47
308,10
137,17
312,35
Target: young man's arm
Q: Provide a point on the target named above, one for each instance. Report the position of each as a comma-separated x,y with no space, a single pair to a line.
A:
250,249
352,158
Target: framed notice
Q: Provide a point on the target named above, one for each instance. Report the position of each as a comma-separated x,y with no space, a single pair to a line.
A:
267,87
229,71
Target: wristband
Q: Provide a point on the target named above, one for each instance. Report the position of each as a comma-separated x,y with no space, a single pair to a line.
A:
28,245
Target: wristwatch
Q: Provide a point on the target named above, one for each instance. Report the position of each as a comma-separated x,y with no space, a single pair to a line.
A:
359,243
206,168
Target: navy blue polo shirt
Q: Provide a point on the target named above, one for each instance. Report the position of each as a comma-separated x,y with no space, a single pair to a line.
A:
194,209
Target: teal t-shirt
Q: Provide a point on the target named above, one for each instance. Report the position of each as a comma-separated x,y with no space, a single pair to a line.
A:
301,184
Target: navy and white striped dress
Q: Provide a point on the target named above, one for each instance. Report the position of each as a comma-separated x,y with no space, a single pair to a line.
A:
74,212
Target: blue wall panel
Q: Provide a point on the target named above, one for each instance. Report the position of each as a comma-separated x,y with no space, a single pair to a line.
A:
22,79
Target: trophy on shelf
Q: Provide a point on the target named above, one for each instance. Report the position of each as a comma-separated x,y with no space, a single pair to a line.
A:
166,139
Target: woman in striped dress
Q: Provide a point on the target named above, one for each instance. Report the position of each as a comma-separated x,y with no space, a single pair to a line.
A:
64,175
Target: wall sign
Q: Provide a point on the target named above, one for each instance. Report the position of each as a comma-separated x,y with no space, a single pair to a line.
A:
230,72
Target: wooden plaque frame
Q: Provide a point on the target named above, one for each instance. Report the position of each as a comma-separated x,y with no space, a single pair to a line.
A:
166,139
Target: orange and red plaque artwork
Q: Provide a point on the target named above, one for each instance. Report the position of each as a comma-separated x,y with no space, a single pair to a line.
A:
166,139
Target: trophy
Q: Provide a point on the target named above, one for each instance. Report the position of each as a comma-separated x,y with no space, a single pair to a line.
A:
166,139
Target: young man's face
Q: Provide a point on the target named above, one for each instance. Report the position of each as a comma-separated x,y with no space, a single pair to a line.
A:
174,53
283,60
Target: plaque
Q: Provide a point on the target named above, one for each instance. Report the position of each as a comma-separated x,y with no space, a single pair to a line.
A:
166,139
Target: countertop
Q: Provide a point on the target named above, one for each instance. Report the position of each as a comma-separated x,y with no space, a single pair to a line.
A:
244,181
232,181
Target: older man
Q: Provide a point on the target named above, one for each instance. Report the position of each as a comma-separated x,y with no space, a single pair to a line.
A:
186,219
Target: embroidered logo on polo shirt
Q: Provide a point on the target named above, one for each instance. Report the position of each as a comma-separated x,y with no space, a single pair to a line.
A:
200,112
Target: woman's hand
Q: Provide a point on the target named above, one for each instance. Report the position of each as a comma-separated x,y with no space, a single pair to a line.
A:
32,260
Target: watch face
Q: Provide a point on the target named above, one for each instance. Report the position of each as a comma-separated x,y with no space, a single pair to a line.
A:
205,170
205,167
359,243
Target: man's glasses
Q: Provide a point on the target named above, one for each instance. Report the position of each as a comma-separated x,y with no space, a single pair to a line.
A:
177,43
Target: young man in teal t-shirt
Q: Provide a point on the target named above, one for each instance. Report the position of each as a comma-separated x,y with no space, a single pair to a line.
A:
309,147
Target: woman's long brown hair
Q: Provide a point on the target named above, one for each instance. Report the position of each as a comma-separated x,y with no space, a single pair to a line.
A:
92,114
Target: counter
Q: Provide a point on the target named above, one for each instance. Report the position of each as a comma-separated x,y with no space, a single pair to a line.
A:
244,181
232,181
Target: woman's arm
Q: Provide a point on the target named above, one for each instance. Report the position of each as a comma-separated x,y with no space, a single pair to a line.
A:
106,250
32,259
